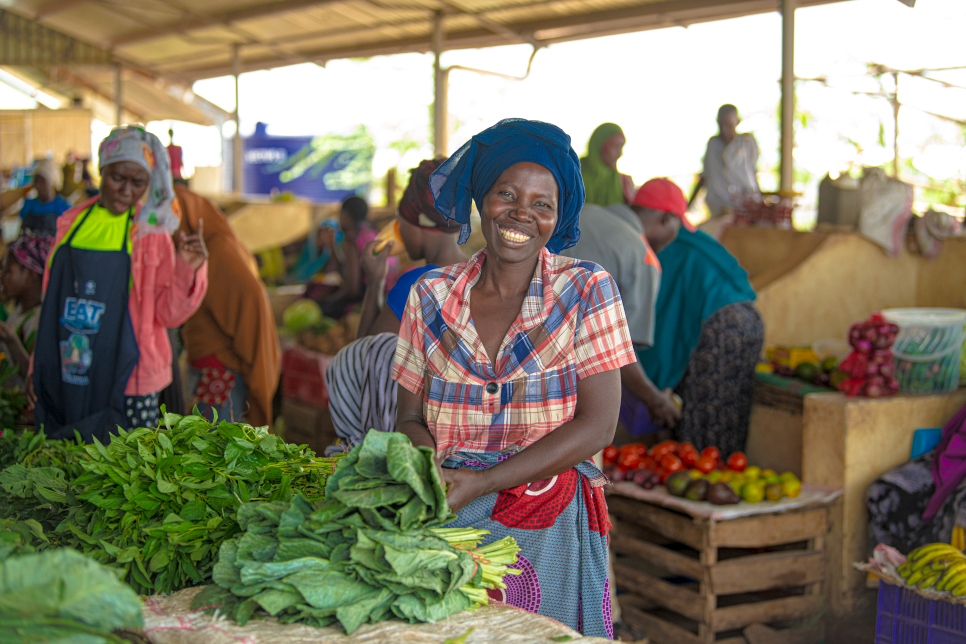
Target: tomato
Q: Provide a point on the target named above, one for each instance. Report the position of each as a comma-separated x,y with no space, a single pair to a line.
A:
712,452
671,463
610,454
640,449
737,462
659,450
688,454
668,460
706,464
662,474
647,463
628,460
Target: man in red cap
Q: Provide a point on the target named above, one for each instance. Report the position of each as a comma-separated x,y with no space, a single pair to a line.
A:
625,240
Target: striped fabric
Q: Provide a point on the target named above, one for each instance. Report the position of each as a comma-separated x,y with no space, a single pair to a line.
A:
571,326
362,394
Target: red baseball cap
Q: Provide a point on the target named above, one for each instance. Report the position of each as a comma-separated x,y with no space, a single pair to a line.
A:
663,195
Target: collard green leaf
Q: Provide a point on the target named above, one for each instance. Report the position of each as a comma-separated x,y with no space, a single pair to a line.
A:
64,583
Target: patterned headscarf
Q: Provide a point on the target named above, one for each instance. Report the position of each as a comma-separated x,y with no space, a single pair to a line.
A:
31,250
416,205
474,168
160,213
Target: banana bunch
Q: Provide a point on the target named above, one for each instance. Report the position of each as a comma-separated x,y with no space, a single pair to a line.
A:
939,566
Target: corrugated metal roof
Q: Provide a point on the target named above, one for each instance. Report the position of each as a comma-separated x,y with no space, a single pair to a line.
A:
189,40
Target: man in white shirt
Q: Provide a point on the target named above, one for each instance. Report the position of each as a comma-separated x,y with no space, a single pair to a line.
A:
730,164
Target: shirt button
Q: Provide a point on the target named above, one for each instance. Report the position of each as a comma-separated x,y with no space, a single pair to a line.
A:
492,388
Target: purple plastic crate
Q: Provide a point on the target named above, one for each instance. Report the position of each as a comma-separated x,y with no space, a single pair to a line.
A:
905,617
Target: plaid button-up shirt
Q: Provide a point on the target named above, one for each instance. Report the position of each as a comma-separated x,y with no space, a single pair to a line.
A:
571,326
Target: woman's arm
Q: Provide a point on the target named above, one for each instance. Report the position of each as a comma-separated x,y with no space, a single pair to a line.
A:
590,431
662,409
410,420
373,302
18,353
182,275
697,189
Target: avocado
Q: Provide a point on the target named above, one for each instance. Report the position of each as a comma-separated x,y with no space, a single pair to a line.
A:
807,371
722,494
677,483
697,491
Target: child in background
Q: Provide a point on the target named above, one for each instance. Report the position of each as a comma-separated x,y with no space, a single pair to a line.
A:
21,279
357,232
39,215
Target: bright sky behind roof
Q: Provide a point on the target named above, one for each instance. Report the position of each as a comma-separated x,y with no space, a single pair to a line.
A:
663,87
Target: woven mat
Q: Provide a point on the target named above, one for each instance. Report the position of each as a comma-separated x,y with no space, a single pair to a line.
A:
169,620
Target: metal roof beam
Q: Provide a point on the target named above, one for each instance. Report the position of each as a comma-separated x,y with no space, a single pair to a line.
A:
192,22
546,32
24,42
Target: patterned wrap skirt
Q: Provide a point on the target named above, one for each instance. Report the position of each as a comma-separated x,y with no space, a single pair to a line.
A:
897,500
561,526
718,384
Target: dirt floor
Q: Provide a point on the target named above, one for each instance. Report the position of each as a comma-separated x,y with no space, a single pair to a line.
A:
857,627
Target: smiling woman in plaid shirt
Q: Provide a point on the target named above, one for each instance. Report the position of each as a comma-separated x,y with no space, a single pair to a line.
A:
509,369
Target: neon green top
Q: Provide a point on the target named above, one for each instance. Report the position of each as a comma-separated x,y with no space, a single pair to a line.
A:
102,230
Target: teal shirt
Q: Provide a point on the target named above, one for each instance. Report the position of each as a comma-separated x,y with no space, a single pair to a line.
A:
699,277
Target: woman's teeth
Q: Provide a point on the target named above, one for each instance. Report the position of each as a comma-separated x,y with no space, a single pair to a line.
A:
513,235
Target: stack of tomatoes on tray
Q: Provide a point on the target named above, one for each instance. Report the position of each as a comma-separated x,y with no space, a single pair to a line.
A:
651,467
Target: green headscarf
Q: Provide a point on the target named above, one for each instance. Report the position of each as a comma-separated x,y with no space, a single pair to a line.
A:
603,185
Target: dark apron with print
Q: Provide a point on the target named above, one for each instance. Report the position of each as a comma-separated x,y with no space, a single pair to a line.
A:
86,349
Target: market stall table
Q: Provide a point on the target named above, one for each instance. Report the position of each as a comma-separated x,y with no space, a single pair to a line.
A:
170,620
690,572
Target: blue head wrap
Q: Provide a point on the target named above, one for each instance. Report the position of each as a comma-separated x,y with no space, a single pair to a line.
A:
475,167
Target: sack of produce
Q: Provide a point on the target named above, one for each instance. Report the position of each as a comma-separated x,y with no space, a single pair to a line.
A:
372,550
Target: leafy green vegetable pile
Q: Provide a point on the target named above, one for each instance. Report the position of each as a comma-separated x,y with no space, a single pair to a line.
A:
63,596
373,549
154,503
12,399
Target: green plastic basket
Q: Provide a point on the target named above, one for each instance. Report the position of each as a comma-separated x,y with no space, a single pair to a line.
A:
928,350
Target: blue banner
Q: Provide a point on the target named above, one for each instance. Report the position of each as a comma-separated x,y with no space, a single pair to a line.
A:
326,168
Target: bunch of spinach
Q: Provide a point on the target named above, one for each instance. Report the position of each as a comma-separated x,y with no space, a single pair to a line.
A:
157,503
35,484
12,399
372,550
62,596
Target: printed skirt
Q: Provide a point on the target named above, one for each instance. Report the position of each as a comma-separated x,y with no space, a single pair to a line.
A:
561,526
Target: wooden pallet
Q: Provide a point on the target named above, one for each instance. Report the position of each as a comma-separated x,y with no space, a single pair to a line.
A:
695,580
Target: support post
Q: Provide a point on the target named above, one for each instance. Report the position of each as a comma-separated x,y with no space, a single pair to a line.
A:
118,108
788,96
236,144
440,91
895,126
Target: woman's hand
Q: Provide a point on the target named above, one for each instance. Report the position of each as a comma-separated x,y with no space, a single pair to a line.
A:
663,411
463,487
191,248
374,264
326,238
31,394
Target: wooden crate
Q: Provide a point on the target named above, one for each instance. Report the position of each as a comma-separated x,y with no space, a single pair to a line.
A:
694,580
